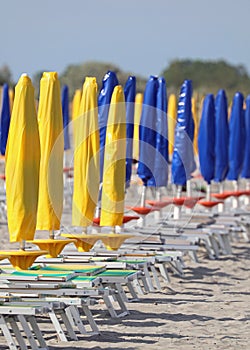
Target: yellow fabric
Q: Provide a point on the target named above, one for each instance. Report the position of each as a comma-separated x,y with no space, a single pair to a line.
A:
22,164
196,125
76,103
113,190
50,123
75,109
86,157
172,114
11,98
137,118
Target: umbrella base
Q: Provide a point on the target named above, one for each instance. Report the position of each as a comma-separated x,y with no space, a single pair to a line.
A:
113,241
83,242
52,246
22,259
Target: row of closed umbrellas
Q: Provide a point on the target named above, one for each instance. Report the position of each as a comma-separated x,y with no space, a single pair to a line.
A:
103,128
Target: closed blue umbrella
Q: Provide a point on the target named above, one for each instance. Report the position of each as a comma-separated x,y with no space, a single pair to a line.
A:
129,92
160,170
236,137
65,113
221,136
5,119
183,163
147,132
108,84
206,139
246,164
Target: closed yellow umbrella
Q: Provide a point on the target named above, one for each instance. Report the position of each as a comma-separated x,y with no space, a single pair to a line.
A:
114,174
11,98
50,199
76,102
22,164
50,123
86,166
196,125
113,188
172,114
86,157
22,174
137,118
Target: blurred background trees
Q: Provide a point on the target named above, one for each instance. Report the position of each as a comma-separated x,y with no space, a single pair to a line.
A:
207,76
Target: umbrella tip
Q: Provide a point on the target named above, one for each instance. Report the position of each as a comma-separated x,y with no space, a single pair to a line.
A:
24,75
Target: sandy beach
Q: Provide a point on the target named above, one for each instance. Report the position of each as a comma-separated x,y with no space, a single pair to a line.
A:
207,309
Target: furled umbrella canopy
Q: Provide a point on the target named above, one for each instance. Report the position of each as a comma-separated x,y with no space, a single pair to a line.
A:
129,92
236,137
4,119
183,163
246,163
50,123
108,84
137,118
206,139
65,113
160,169
113,192
221,136
22,164
172,113
147,131
86,157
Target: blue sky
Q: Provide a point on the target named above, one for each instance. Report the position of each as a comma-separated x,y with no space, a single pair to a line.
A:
140,36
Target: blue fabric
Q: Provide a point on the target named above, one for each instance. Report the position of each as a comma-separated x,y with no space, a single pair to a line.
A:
246,163
65,113
147,131
221,136
236,137
108,84
206,139
160,170
5,119
129,92
183,163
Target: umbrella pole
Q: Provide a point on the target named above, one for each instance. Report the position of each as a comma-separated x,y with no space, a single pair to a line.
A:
52,234
247,199
22,244
142,221
189,194
235,201
177,209
221,205
143,196
158,213
208,196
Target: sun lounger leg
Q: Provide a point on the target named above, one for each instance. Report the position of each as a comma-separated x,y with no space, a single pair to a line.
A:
17,333
38,333
215,247
74,318
7,334
121,292
90,318
156,279
58,328
134,288
164,272
227,244
28,332
68,325
149,280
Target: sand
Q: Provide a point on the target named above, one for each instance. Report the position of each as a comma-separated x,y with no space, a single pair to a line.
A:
207,309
